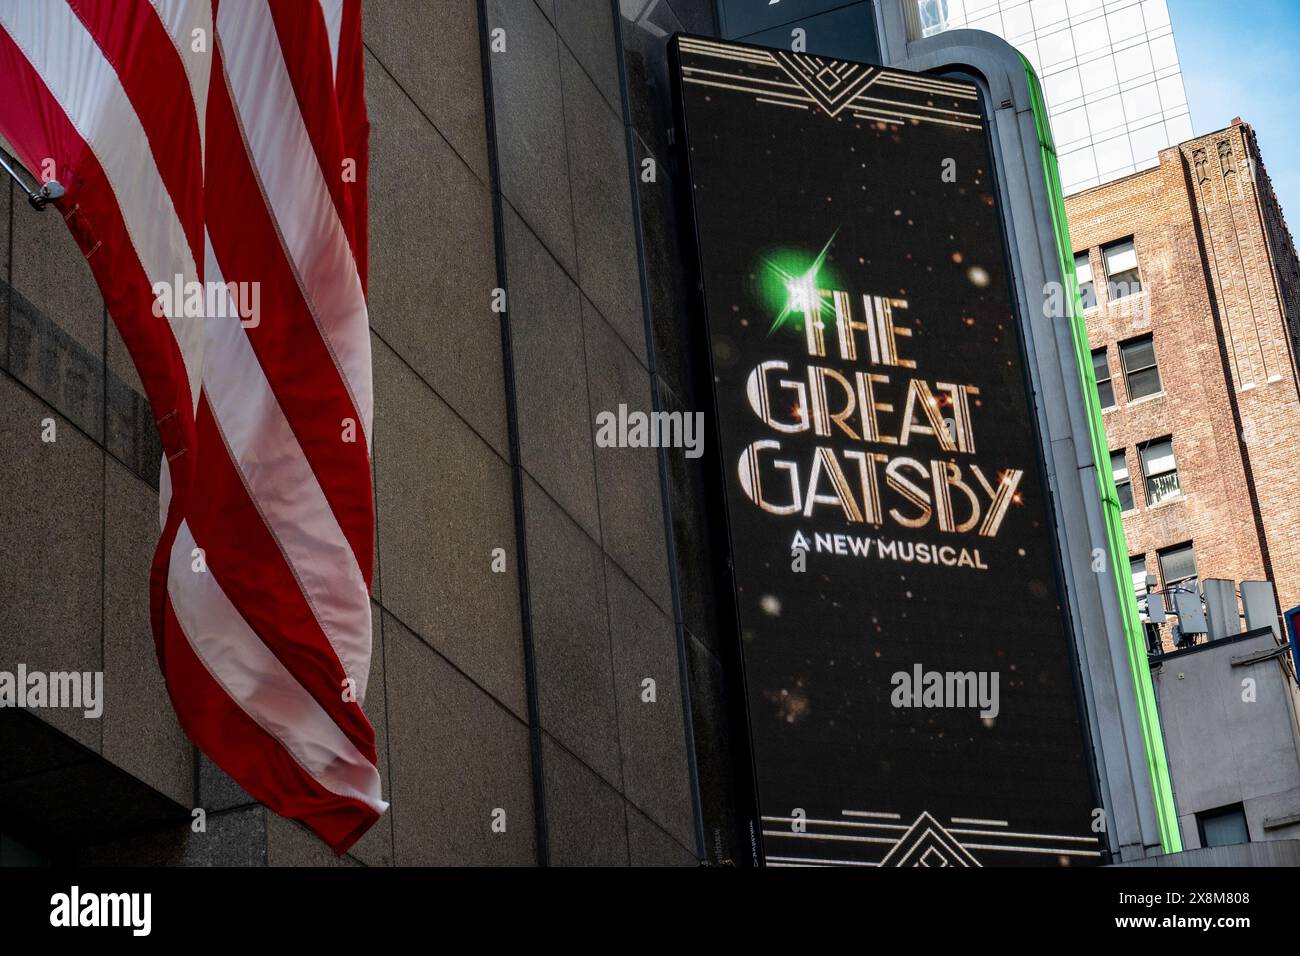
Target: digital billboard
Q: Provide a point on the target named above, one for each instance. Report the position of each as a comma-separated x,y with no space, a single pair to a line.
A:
911,692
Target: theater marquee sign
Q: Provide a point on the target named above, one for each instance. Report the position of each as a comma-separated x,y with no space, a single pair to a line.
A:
909,680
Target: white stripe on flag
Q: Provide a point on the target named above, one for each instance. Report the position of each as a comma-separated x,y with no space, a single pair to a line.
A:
189,24
286,165
333,10
283,486
255,679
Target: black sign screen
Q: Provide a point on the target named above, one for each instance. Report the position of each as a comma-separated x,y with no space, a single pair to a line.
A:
909,680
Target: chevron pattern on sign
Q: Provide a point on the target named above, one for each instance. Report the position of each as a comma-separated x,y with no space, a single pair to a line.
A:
832,83
926,843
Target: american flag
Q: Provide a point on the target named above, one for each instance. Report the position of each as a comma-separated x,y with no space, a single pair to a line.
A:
213,159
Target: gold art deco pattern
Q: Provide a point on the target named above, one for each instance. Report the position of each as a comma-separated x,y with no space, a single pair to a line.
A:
831,87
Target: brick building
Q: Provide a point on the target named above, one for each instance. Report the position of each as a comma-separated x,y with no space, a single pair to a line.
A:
1192,290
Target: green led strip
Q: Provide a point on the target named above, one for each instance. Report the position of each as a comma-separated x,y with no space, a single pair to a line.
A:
1152,736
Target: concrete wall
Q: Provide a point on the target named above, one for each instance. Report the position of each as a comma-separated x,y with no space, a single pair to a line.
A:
514,173
1230,741
617,782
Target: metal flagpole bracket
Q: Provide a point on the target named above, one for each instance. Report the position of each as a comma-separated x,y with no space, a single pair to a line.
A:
39,198
46,194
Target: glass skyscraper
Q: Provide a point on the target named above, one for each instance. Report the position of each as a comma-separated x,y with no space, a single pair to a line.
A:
1109,71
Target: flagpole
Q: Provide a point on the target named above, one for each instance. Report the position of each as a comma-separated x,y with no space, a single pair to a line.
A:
38,198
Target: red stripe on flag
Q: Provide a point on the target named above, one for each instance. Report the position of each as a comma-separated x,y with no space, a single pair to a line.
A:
287,341
254,758
306,46
36,126
246,561
350,88
133,39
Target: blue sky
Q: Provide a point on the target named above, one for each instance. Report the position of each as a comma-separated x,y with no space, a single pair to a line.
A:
1238,59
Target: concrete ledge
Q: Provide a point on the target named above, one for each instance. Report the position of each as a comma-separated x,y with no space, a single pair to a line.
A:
1268,853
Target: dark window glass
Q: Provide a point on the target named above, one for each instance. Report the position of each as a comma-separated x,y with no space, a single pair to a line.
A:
1178,567
1105,388
1141,374
740,18
1224,826
1123,484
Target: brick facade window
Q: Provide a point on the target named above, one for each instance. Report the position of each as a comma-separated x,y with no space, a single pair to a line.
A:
1122,276
1087,287
1141,374
1101,371
1160,470
1178,567
1138,569
1123,483
1166,378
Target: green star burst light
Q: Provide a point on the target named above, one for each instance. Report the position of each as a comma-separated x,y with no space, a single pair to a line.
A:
792,284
